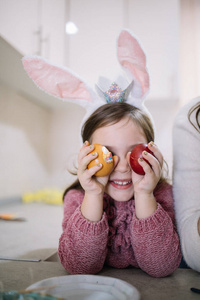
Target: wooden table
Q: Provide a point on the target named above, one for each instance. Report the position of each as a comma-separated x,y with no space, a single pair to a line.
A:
15,275
38,237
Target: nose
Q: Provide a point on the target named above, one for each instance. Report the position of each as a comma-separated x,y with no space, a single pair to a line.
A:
122,165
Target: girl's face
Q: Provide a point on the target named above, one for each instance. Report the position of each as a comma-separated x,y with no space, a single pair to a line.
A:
120,138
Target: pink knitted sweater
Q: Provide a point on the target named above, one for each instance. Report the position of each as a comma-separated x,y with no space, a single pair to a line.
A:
119,239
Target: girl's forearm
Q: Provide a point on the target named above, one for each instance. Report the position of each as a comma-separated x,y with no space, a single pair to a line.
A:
156,244
145,205
92,207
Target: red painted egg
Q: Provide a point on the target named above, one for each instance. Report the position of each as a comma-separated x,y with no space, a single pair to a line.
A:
135,155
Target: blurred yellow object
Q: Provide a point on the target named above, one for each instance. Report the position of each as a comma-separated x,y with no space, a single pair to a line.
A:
50,196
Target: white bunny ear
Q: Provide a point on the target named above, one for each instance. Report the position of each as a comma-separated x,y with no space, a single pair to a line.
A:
132,58
57,81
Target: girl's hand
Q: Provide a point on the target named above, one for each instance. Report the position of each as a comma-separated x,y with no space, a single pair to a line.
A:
90,183
147,183
92,205
144,185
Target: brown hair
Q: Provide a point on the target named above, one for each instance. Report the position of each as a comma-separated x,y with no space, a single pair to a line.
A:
109,114
112,113
196,108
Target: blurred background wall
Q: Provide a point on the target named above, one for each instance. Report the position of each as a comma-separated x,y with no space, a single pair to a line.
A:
39,134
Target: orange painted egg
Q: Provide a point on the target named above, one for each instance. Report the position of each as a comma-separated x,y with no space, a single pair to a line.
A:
104,157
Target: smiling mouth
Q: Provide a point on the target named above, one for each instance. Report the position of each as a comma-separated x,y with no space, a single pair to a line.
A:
121,184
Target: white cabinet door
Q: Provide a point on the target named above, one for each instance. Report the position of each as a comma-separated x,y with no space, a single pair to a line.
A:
19,23
35,27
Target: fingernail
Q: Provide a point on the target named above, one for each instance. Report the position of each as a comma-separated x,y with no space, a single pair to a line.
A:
94,153
145,152
99,165
141,159
152,144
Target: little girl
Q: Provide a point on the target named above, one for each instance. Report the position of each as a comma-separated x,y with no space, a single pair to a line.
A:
123,219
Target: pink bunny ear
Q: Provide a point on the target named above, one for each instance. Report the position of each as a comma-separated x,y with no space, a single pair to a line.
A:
133,59
55,80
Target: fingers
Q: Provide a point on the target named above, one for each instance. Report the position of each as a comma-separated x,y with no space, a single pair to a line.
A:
86,155
86,175
155,161
154,148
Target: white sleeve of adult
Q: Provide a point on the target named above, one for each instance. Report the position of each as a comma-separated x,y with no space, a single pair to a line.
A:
186,184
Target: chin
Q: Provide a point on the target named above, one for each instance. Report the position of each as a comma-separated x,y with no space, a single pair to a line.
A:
120,195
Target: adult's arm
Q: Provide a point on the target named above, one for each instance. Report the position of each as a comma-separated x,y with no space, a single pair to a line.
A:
186,184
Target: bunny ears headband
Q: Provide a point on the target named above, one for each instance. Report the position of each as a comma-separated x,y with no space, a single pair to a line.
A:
63,84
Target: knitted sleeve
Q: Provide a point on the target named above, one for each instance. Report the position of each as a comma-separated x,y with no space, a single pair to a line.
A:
82,245
155,240
186,184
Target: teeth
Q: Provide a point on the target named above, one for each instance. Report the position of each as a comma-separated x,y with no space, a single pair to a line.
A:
122,182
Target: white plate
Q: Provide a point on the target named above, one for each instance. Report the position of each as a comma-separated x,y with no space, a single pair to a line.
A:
88,287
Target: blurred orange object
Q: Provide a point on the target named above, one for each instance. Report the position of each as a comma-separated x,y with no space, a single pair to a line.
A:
10,217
